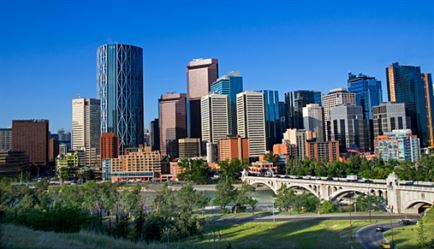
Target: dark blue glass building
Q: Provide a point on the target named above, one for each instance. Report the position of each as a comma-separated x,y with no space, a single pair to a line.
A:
368,94
272,118
294,103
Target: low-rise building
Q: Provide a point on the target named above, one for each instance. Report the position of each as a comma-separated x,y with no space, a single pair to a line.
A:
322,151
234,148
262,168
189,147
398,145
13,162
136,166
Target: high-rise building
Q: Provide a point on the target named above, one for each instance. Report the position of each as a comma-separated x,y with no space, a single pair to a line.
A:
64,137
109,145
338,96
86,129
31,136
313,120
230,84
154,127
398,145
173,122
294,103
405,84
251,121
234,148
272,118
429,102
5,139
348,127
120,89
215,117
368,94
189,147
201,73
388,117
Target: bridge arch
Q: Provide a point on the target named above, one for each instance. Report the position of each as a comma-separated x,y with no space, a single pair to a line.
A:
256,183
414,203
292,185
344,191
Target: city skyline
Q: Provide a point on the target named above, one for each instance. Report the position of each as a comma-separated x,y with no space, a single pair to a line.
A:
74,60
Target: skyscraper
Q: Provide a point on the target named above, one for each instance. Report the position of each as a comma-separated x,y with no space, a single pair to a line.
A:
230,84
154,127
272,118
313,120
294,103
201,73
215,117
173,122
406,84
120,89
251,121
388,117
348,126
338,96
368,94
31,136
86,129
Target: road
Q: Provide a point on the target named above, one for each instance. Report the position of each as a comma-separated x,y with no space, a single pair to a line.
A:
266,217
369,238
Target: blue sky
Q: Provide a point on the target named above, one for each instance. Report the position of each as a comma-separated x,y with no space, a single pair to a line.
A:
48,48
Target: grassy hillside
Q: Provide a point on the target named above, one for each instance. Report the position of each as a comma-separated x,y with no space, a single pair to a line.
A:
407,237
252,235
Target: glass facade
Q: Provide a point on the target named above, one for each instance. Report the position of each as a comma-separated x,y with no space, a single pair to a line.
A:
272,118
368,94
230,84
294,103
405,84
120,89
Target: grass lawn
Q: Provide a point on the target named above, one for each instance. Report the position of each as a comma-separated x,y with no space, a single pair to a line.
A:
407,237
294,234
252,235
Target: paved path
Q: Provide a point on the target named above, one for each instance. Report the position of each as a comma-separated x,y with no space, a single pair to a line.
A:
369,238
266,217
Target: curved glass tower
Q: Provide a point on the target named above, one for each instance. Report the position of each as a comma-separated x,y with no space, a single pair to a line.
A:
120,89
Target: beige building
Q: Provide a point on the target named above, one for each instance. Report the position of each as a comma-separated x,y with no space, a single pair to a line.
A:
215,117
251,121
140,165
86,129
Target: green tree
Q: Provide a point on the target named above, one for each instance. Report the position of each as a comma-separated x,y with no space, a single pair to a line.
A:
225,193
244,198
284,198
327,207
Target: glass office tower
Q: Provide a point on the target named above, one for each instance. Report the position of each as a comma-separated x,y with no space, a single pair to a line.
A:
230,84
405,84
120,89
272,118
368,94
294,103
